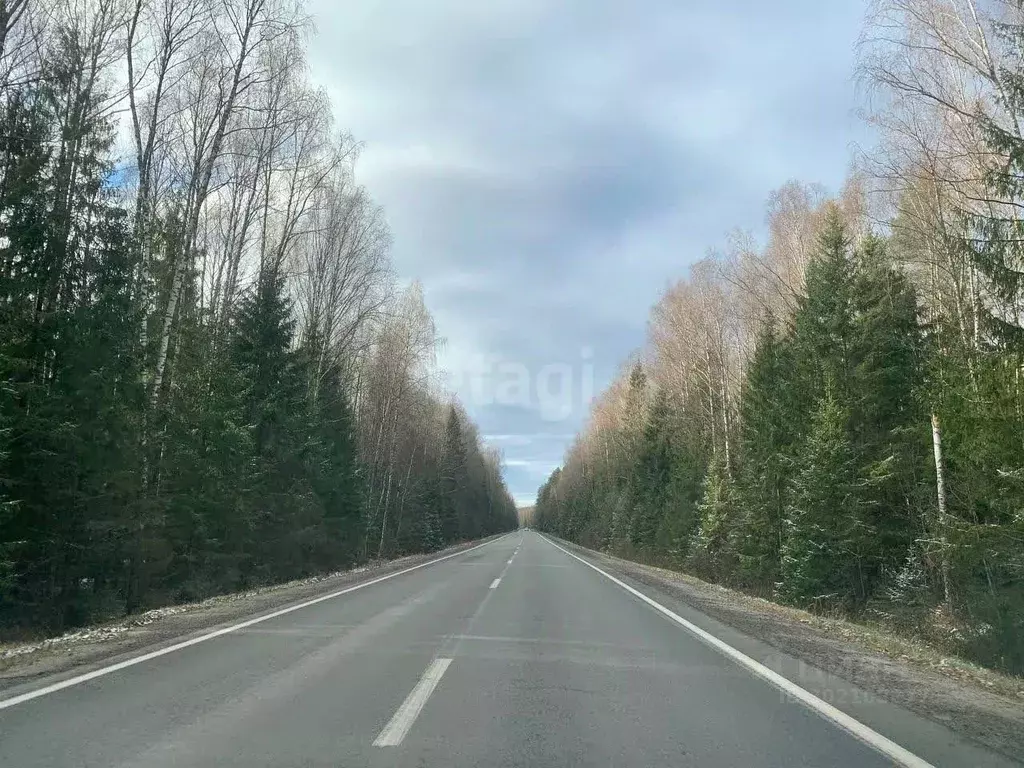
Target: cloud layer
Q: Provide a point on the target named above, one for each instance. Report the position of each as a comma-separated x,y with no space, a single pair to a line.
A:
547,168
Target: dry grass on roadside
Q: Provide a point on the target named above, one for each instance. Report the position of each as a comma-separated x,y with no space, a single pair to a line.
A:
869,636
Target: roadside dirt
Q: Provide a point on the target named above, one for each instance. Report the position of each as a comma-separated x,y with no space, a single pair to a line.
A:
92,647
976,702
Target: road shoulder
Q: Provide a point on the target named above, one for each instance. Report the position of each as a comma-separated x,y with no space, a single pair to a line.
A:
841,661
28,664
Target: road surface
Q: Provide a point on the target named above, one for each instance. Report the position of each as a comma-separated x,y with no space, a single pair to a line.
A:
515,653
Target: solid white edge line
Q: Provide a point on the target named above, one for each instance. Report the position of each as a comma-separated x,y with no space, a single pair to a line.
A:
78,679
495,583
400,723
856,728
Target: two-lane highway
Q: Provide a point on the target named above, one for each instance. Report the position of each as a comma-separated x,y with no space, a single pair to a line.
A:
513,654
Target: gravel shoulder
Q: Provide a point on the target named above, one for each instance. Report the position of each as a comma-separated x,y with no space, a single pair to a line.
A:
28,663
976,702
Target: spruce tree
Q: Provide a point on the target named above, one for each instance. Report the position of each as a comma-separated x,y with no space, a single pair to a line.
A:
768,419
623,511
337,477
711,551
651,475
998,232
682,516
984,419
889,426
70,401
206,467
823,332
284,508
453,472
825,531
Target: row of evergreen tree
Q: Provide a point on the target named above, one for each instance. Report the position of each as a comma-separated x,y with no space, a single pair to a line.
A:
836,419
827,497
167,433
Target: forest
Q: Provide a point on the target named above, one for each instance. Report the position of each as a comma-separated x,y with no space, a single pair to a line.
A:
210,376
833,417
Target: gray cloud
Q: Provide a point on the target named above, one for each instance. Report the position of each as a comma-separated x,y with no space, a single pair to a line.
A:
547,168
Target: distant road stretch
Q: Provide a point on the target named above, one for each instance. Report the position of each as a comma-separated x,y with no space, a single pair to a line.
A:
515,653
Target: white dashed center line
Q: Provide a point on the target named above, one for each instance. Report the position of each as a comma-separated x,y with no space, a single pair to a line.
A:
399,725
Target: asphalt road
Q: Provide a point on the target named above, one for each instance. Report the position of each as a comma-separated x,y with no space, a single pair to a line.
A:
512,654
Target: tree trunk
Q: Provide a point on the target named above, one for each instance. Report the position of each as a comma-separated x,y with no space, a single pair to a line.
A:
165,335
199,199
940,491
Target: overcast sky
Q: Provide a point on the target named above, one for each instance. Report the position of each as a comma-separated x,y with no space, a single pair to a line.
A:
548,167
